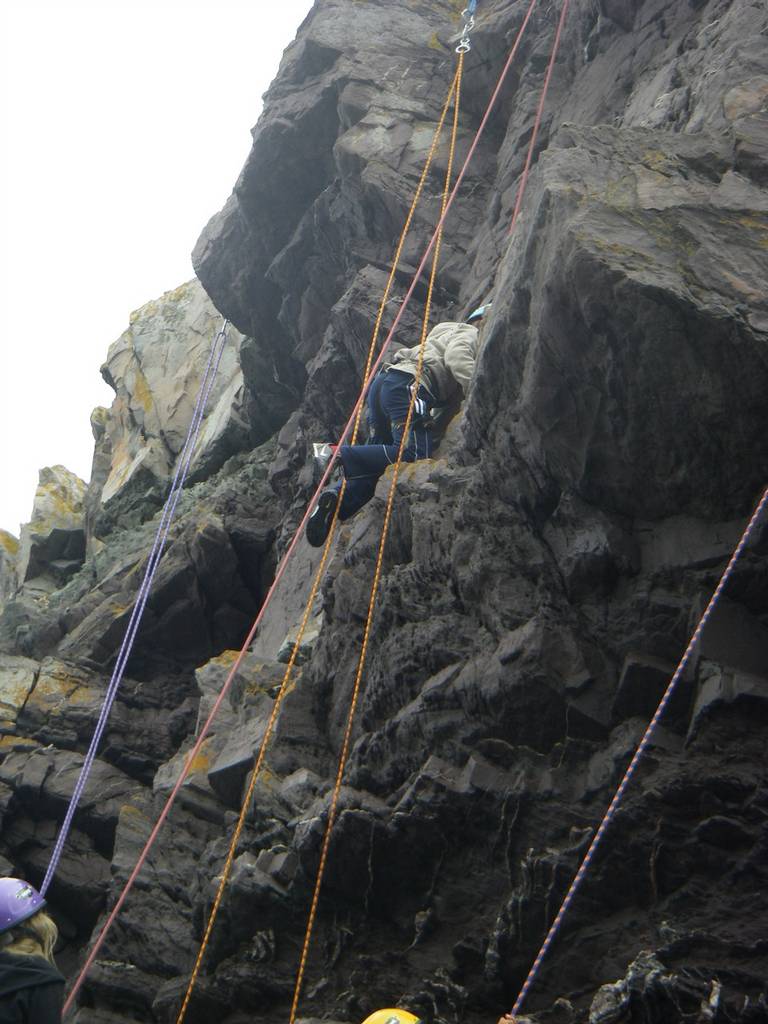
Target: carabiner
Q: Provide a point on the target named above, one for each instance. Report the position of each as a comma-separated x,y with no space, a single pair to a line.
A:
469,23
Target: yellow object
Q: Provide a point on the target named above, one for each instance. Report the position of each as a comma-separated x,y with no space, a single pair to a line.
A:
391,1017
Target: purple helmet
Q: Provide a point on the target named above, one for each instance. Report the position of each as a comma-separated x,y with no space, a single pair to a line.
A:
18,902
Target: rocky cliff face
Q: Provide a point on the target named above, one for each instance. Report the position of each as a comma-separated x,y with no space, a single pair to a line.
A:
157,369
542,578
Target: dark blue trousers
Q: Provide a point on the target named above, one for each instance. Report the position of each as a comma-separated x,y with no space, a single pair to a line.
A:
389,395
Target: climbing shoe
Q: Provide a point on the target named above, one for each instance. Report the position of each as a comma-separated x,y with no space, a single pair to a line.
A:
322,453
319,523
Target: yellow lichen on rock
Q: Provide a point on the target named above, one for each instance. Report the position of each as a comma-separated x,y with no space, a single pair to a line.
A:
8,542
178,293
657,160
10,743
131,810
17,681
56,684
202,761
13,694
746,98
225,658
142,392
758,225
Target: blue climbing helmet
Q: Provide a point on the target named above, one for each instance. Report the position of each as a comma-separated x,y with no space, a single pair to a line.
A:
479,313
18,902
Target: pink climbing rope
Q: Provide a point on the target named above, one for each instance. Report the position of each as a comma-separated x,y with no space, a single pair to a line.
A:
642,746
161,535
297,535
537,120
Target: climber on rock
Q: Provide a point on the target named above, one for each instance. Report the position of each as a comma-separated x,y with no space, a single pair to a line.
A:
450,352
31,988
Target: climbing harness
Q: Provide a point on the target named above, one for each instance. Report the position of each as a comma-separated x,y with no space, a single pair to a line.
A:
280,572
642,746
158,546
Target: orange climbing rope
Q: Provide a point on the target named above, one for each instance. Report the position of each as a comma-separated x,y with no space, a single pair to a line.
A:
332,810
280,572
259,762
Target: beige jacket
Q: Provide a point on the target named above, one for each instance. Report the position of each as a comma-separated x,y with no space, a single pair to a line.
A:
450,351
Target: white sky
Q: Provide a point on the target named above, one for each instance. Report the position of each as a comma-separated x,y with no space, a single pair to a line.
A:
124,126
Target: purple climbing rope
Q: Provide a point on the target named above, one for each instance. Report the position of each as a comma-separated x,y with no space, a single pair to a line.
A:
609,814
158,546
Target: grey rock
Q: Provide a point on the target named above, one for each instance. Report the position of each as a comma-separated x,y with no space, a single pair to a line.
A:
642,203
86,1015
653,990
9,549
52,544
17,680
309,637
228,772
199,568
156,369
64,705
301,787
44,779
591,549
720,685
83,876
123,983
684,541
642,684
196,794
280,863
733,637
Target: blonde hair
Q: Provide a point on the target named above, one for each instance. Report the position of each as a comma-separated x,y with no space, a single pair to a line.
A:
34,937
